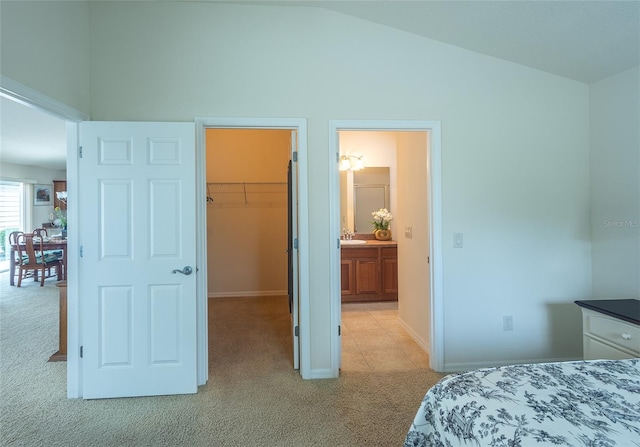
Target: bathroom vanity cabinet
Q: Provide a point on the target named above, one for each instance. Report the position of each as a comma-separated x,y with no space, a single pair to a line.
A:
369,272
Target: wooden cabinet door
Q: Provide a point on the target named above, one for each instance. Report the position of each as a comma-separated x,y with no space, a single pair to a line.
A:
347,278
367,276
389,275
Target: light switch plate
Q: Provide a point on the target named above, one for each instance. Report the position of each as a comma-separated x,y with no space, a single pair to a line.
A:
408,232
458,240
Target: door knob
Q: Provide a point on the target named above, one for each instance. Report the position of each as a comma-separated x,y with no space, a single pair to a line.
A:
187,270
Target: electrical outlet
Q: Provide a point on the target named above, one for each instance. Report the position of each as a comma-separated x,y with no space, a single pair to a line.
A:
507,323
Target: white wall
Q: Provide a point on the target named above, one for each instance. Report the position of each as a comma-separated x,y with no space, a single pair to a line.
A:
35,215
615,185
45,46
515,144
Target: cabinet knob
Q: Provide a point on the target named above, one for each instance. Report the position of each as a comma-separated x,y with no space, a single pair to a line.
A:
626,336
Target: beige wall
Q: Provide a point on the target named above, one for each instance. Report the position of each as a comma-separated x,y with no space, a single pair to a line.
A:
413,269
247,234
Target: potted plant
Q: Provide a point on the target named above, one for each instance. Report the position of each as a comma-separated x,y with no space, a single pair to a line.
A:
381,220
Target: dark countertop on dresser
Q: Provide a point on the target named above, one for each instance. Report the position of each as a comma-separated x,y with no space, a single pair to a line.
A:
624,309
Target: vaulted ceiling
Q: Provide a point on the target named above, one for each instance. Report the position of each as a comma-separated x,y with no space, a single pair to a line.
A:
581,40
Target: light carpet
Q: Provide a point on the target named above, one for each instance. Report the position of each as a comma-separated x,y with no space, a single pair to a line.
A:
253,396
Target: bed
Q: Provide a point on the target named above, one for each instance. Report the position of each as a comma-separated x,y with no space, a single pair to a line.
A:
583,403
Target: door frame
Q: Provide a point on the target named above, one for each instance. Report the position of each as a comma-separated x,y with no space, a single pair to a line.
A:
299,125
434,169
29,97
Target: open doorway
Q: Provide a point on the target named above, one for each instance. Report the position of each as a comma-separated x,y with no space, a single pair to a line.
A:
415,203
32,99
247,221
244,222
379,317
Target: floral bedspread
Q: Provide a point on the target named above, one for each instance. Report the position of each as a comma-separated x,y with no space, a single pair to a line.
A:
592,403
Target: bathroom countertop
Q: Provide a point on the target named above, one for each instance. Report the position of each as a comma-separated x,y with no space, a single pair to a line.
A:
372,242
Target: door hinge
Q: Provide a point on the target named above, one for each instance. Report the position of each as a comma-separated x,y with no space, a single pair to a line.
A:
339,333
338,157
295,243
428,259
81,351
81,251
80,151
296,331
294,156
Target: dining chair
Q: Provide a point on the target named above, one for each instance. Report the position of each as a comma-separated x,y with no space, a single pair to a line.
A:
33,259
13,243
42,233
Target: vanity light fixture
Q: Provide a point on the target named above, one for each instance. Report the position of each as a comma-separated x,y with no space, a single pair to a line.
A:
351,163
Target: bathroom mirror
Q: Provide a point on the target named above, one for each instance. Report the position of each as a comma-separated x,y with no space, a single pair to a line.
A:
361,193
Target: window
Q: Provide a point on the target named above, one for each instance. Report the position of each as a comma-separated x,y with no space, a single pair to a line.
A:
11,212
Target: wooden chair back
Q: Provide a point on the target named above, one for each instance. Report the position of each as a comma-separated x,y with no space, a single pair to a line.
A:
32,258
13,238
13,243
40,232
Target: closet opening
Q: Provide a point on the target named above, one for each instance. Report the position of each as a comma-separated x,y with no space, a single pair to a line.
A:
251,319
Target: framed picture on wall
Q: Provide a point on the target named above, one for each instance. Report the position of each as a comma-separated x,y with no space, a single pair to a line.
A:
42,194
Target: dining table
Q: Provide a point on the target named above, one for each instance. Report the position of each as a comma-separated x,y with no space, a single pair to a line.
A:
52,243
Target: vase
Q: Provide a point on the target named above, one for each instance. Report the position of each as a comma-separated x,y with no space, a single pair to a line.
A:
382,235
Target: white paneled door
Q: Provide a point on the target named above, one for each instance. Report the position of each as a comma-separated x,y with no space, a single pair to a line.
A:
137,285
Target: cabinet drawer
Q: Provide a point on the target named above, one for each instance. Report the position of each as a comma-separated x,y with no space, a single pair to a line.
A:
618,332
595,350
389,252
359,253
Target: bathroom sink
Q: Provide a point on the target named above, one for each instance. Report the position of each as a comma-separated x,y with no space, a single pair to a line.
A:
352,242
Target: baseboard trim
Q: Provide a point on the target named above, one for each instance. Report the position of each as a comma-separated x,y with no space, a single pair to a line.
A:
413,334
320,374
472,366
247,293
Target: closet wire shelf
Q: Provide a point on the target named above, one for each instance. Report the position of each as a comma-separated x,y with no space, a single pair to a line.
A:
246,194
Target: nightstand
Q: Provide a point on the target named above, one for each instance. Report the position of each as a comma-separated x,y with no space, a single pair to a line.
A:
610,329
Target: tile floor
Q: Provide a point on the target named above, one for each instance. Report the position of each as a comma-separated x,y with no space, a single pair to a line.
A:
373,339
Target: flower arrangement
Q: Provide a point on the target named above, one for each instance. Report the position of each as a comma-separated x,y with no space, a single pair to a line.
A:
60,216
381,219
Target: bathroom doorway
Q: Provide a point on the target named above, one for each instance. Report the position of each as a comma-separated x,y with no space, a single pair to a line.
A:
415,205
384,181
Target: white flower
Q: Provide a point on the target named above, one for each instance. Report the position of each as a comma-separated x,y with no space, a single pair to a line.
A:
381,219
